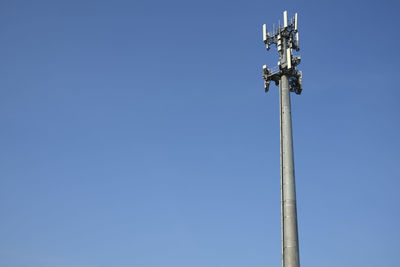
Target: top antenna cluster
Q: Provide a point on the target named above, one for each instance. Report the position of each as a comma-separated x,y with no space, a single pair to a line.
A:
286,39
289,31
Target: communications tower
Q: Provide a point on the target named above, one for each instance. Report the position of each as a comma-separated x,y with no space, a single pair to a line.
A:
289,79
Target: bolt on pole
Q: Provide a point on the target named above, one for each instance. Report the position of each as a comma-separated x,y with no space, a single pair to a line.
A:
289,79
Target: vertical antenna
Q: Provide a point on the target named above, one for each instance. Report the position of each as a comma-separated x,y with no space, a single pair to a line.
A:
288,58
265,33
285,19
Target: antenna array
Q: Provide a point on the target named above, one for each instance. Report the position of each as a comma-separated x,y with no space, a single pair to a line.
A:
286,39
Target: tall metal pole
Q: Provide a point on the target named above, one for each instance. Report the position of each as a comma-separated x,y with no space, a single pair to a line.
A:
290,243
289,80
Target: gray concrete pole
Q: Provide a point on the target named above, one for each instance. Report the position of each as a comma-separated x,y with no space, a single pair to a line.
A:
290,243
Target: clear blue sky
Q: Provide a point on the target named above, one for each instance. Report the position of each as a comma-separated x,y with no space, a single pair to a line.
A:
138,133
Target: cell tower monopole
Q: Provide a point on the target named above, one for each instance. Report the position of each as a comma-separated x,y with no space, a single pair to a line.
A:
289,79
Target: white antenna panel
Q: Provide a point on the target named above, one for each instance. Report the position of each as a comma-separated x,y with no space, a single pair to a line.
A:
288,58
295,22
265,33
285,18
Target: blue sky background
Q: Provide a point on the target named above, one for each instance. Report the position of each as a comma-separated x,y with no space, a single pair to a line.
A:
138,133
